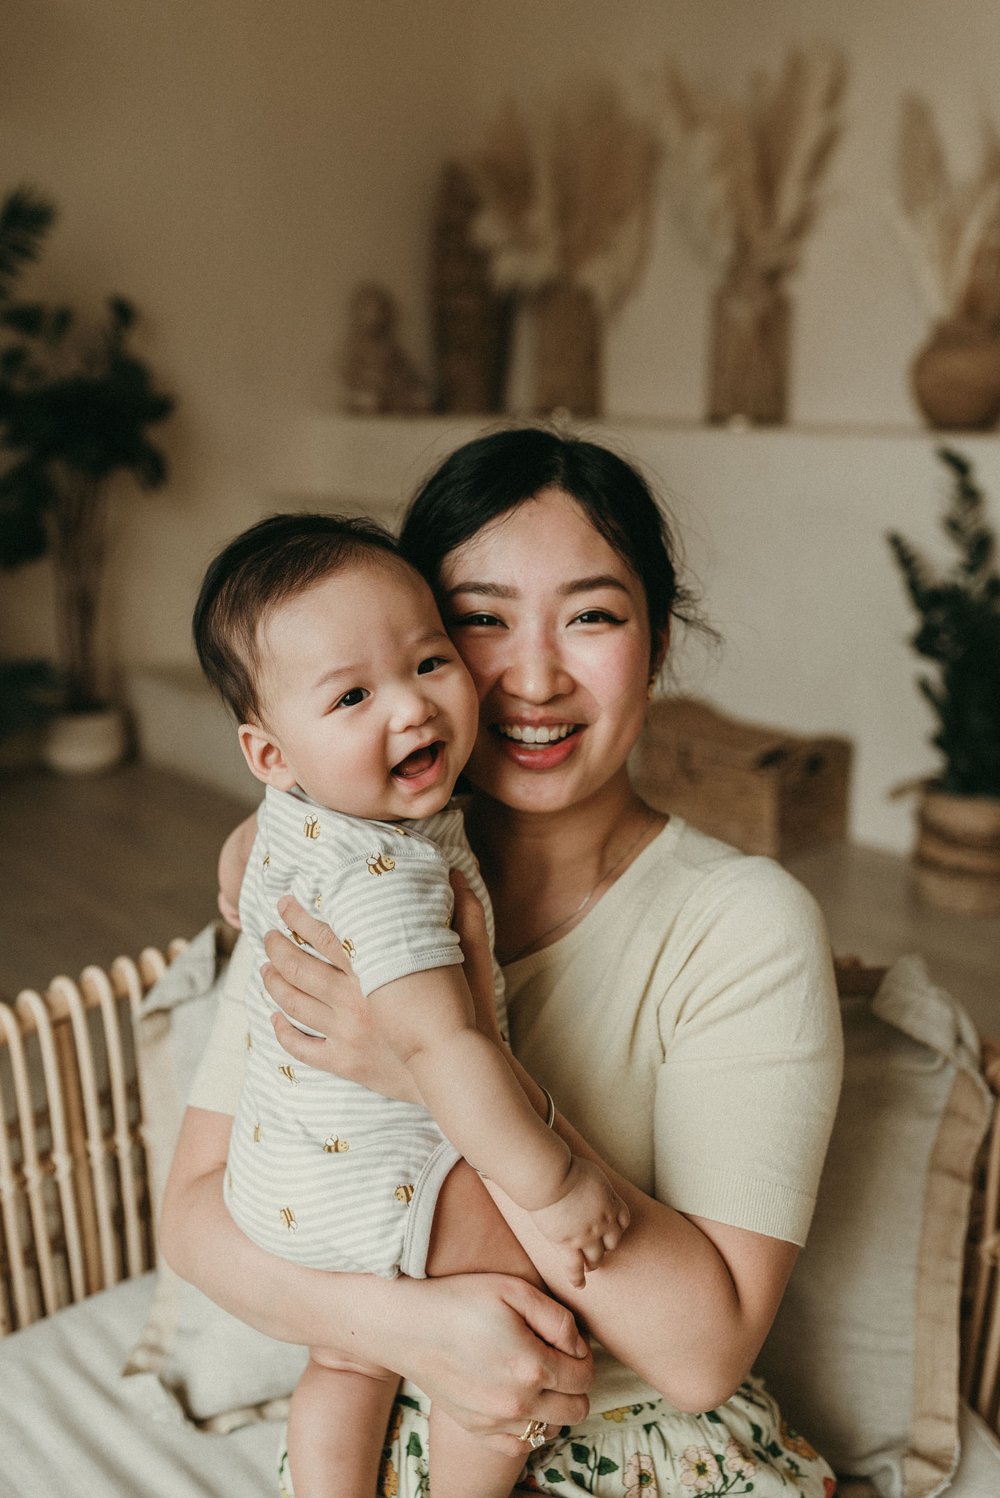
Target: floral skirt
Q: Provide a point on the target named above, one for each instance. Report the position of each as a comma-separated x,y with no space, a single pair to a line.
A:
644,1450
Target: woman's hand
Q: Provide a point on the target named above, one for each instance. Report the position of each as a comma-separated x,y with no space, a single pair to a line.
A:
492,1363
325,996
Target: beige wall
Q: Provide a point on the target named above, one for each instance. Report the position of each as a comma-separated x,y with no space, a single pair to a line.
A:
236,167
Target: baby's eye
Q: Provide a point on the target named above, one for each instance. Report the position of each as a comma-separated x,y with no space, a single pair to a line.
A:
352,698
431,664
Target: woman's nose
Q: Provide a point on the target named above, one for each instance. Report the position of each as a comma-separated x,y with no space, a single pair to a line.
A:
537,673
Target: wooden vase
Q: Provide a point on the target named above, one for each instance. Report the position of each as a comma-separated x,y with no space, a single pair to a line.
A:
567,351
751,333
958,852
471,320
955,377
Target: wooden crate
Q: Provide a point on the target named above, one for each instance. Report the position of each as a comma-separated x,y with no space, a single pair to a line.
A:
764,790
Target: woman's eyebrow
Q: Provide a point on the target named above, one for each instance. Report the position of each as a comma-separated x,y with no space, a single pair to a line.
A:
589,584
487,590
565,590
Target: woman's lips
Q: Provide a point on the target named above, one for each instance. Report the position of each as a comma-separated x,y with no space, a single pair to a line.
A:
529,755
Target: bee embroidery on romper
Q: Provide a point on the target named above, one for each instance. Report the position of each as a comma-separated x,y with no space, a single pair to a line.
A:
299,940
402,831
311,827
248,1042
380,863
256,1133
267,860
404,1194
349,948
288,1218
317,902
334,1146
288,1072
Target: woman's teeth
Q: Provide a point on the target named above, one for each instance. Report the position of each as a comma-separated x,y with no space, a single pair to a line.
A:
527,735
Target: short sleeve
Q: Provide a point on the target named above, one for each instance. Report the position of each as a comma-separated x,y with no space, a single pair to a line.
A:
391,907
218,1079
747,1092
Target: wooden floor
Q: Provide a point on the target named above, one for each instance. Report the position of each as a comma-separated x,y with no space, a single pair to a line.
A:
93,867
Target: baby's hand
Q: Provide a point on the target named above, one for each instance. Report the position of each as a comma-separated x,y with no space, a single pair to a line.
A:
586,1222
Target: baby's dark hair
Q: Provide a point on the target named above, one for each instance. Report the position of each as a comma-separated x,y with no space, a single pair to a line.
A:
276,559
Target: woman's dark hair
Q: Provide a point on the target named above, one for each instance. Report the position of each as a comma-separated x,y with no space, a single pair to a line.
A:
276,559
492,475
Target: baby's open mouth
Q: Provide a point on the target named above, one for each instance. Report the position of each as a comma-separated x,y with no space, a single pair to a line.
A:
418,762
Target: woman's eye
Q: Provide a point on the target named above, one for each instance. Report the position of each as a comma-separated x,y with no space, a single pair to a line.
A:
597,616
352,698
476,621
431,664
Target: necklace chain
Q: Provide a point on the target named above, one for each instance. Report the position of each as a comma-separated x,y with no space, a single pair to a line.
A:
604,875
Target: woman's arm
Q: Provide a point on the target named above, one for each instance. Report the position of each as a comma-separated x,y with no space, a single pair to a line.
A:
478,1345
684,1302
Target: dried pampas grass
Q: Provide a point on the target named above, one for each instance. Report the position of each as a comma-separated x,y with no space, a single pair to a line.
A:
949,226
567,195
744,175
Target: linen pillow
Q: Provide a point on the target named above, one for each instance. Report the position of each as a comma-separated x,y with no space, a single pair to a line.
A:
863,1354
193,1361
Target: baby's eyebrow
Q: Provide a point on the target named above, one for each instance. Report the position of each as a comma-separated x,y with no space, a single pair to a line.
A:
334,673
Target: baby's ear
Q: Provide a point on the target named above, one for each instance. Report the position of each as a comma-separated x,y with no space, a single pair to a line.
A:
264,756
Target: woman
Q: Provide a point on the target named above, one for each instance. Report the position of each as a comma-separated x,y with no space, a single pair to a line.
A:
674,996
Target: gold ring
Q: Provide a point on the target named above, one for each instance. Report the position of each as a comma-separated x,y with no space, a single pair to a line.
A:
534,1434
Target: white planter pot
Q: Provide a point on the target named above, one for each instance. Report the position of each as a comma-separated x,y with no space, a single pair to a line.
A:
84,743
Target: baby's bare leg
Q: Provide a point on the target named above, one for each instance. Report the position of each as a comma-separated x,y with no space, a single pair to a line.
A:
336,1428
470,1236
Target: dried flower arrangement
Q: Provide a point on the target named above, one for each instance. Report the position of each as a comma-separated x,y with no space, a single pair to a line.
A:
950,228
743,177
949,225
565,219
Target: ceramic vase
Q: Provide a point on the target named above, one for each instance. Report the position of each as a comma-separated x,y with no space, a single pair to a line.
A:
955,377
87,742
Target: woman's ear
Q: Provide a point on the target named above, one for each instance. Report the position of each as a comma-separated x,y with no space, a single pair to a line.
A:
264,756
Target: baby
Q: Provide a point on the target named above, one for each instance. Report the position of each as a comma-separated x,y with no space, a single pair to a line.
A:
357,713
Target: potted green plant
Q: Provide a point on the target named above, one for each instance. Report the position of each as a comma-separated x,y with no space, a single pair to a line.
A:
74,415
958,847
27,687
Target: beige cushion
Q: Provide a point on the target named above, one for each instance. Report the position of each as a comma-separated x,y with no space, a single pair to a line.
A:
193,1361
864,1352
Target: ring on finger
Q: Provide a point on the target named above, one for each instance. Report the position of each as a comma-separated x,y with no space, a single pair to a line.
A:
534,1434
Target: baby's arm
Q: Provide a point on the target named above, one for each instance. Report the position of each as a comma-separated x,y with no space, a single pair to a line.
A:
468,1086
233,861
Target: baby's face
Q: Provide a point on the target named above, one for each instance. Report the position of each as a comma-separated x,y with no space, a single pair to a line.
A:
369,705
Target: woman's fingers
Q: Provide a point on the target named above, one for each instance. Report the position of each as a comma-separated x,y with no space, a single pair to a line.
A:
317,933
309,1049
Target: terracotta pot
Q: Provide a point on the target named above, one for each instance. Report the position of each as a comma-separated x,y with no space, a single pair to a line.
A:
956,377
85,743
958,852
751,333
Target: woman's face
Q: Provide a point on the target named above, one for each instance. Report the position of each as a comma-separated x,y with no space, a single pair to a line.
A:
554,627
